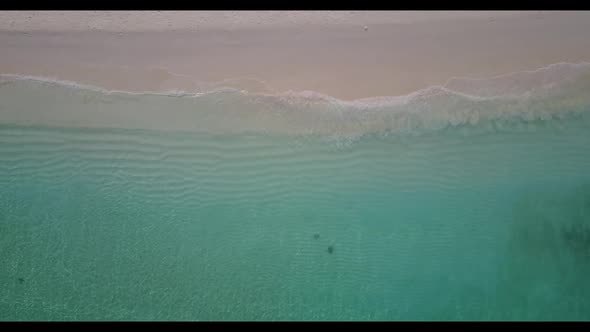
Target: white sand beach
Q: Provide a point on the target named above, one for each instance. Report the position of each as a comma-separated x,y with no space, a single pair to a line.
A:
347,55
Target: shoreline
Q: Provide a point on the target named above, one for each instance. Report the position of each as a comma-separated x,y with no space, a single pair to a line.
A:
456,85
516,100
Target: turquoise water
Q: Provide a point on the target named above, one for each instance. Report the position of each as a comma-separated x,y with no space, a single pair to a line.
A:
107,224
454,224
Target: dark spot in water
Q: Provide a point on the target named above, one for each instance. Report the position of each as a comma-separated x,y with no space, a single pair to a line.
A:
330,249
21,280
577,236
316,236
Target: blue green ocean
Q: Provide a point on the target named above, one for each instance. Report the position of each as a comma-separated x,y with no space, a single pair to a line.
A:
469,201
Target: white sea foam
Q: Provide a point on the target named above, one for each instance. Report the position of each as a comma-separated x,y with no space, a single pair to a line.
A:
550,92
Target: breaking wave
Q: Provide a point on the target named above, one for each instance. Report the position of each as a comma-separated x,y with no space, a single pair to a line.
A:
553,92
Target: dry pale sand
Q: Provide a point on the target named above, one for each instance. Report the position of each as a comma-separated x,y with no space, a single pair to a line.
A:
346,59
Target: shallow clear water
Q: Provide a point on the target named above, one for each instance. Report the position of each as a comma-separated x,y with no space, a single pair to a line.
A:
108,224
464,202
